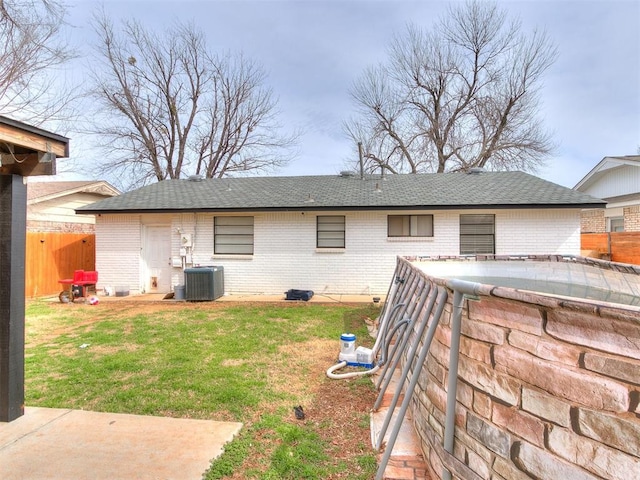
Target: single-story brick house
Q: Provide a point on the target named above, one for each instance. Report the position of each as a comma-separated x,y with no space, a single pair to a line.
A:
617,181
336,234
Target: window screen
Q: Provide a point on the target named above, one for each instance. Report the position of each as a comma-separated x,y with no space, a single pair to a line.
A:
477,234
233,235
330,231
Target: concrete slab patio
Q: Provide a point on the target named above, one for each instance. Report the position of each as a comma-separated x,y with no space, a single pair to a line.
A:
61,444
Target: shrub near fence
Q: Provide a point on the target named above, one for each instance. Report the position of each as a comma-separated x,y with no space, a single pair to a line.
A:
623,247
51,256
548,388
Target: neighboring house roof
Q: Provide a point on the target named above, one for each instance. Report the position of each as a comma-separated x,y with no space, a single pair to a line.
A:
43,191
347,192
613,176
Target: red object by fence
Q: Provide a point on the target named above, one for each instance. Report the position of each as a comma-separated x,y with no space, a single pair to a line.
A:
77,286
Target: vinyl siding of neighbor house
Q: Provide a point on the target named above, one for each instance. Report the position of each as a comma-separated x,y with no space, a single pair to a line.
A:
62,209
285,254
619,184
622,180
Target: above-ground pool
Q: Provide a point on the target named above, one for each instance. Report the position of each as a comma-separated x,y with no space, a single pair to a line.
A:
574,277
534,362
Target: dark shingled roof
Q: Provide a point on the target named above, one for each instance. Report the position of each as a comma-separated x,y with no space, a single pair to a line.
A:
339,192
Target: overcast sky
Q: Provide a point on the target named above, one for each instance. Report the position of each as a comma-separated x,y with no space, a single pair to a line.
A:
313,50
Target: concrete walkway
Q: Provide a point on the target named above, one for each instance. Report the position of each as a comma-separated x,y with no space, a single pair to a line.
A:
61,444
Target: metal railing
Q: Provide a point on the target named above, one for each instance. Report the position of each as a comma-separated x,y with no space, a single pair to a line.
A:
414,330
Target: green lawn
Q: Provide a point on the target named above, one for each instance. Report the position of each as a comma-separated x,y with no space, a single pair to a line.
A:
247,363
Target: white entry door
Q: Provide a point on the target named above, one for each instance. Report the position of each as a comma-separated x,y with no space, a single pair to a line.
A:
157,259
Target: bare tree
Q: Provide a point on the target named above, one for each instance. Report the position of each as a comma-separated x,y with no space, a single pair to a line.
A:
462,95
169,108
31,51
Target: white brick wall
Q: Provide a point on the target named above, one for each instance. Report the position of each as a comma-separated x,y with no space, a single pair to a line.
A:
285,255
537,232
118,251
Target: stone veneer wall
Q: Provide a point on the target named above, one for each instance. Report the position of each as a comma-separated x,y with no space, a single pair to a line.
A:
548,388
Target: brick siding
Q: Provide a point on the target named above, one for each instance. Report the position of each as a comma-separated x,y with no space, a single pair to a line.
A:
60,227
593,221
285,254
632,218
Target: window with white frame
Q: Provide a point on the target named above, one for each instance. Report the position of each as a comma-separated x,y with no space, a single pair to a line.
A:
477,234
233,235
410,225
330,231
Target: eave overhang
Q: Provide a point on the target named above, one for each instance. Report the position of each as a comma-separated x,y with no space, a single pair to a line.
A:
311,208
27,150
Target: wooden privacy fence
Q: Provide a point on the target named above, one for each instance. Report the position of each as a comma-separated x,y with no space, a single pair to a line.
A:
51,256
623,247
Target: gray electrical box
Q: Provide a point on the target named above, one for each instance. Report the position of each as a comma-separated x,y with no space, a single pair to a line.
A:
203,283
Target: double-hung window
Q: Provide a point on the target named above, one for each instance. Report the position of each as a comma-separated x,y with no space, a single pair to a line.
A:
233,235
330,231
410,226
477,234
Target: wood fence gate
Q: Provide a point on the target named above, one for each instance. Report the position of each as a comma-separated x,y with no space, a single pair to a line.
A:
51,256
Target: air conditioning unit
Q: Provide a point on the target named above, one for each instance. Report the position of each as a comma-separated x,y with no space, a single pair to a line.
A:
203,284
